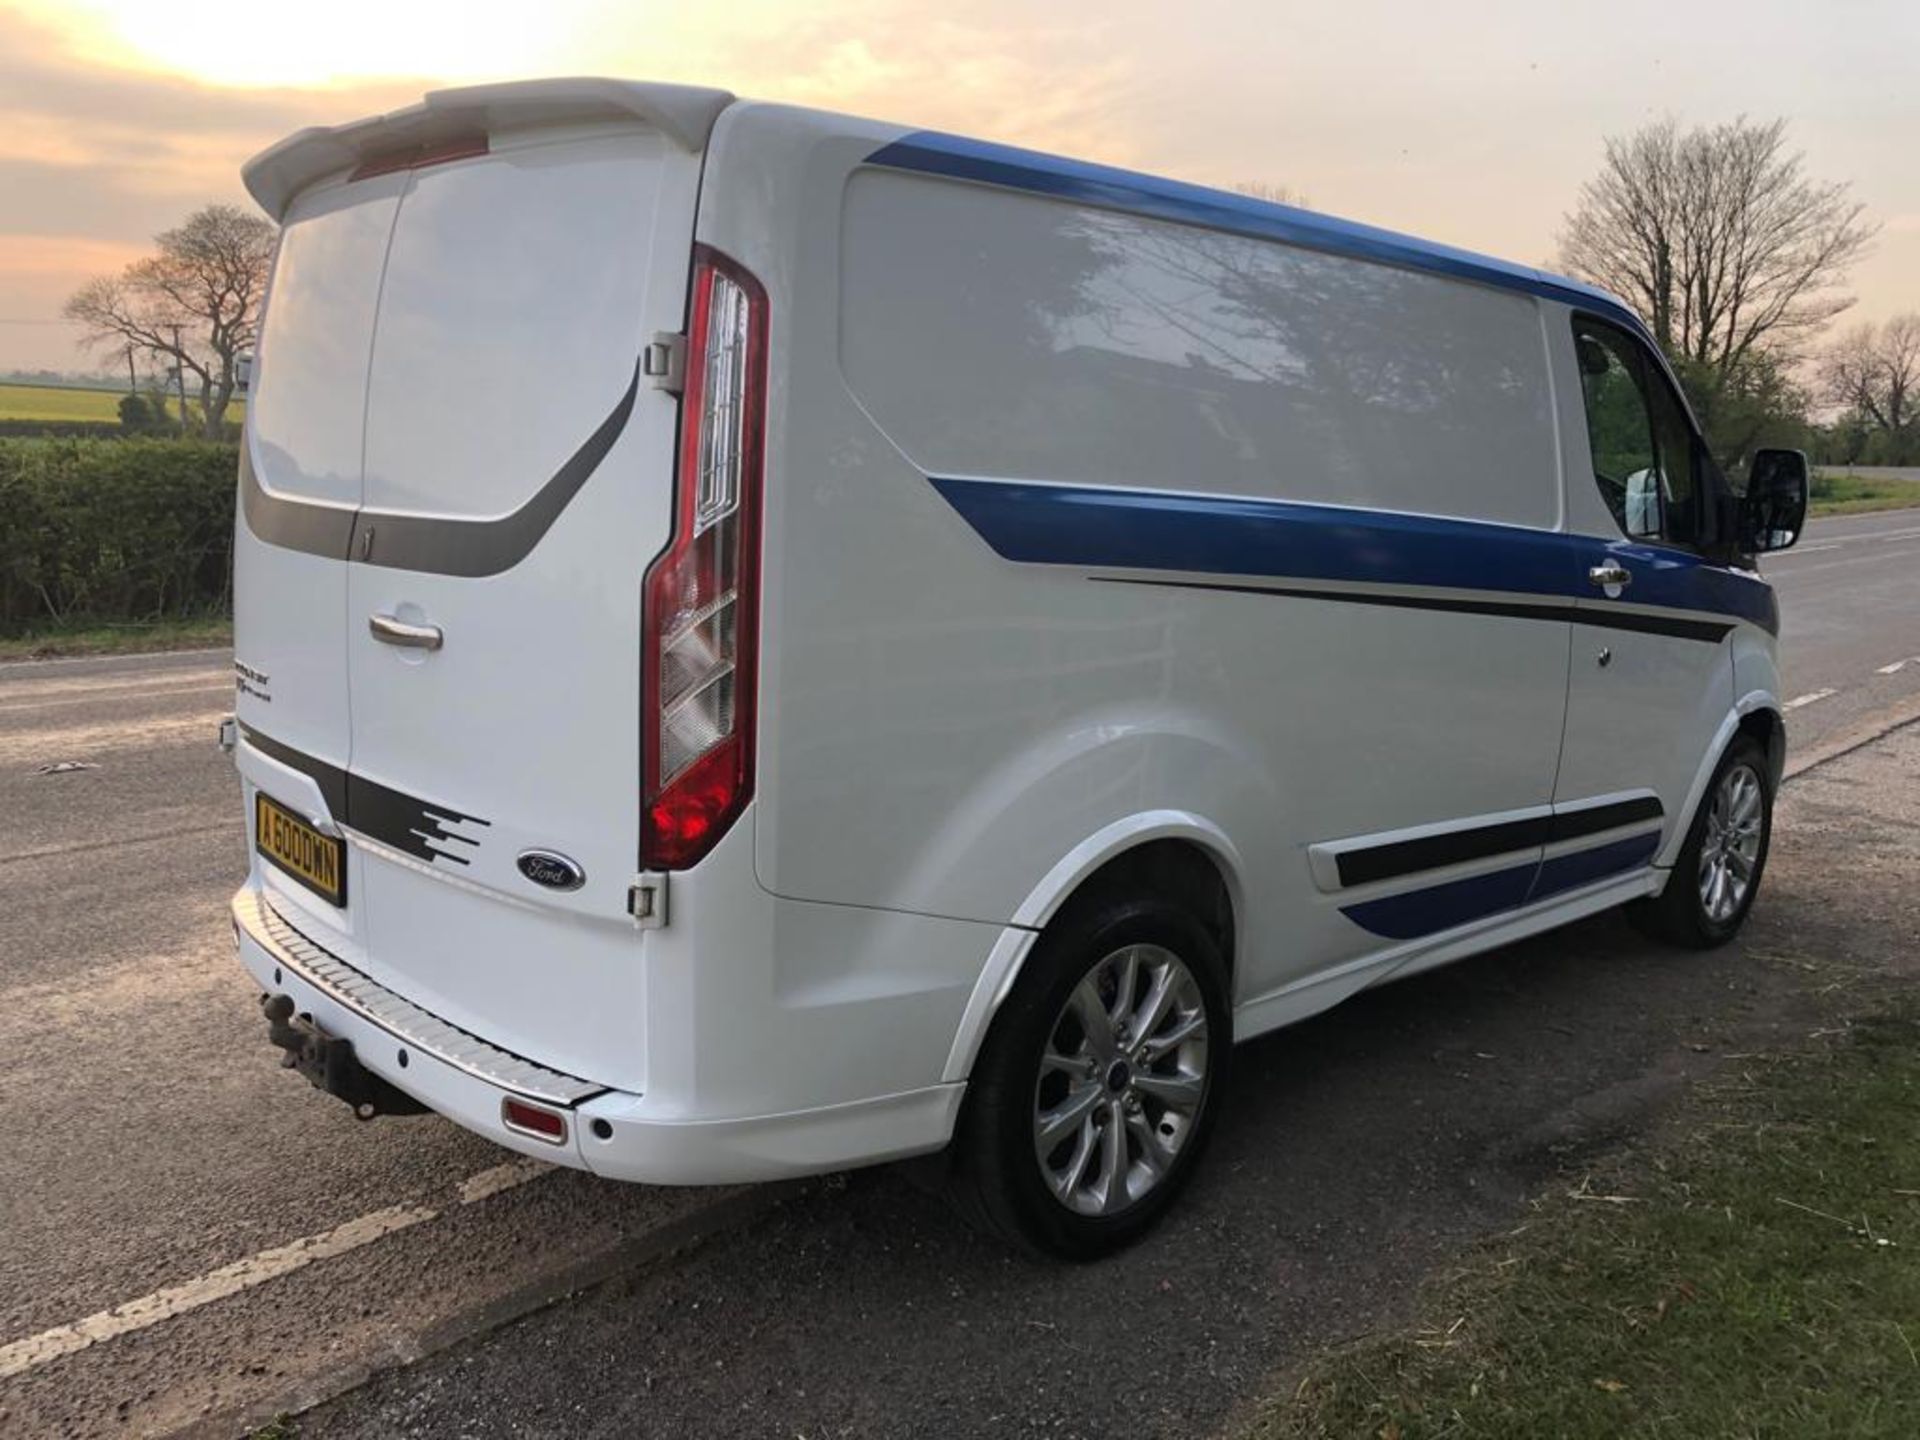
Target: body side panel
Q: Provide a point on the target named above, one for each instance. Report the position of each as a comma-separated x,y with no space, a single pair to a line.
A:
942,724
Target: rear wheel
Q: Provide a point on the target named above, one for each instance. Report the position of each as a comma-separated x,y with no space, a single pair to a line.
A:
1717,873
1098,1084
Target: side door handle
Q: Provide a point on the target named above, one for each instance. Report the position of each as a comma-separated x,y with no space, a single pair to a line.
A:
390,631
1610,574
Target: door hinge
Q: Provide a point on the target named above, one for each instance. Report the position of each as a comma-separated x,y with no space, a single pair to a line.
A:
647,899
664,362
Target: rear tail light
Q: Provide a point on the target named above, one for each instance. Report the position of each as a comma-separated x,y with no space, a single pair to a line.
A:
534,1120
702,608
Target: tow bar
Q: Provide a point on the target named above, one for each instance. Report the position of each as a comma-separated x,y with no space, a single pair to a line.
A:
329,1063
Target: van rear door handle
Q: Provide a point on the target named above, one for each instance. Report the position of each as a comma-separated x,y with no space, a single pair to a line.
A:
1610,574
390,631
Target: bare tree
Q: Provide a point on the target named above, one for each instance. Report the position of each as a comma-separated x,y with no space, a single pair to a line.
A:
1273,194
1720,239
194,305
1874,371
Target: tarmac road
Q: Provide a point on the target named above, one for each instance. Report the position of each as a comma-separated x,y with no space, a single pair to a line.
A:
1849,621
193,1235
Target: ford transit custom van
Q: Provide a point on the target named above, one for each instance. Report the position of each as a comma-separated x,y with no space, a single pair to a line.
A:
769,642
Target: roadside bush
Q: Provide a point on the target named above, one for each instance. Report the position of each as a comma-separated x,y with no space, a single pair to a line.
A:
114,530
64,429
142,416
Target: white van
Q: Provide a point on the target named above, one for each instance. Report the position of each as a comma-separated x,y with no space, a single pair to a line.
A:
769,642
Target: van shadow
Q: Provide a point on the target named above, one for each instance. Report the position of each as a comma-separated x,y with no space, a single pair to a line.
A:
1356,1151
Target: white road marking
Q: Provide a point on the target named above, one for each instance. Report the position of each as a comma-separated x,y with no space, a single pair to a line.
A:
1897,666
1808,699
501,1177
35,1350
1841,541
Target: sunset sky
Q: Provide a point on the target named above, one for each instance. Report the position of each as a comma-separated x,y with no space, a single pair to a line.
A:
1472,123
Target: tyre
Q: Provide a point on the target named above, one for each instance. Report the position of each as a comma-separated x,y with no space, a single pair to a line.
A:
1099,1082
1717,873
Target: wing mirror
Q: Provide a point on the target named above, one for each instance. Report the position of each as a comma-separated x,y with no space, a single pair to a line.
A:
1774,509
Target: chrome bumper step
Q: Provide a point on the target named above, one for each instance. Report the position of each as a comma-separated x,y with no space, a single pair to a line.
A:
400,1017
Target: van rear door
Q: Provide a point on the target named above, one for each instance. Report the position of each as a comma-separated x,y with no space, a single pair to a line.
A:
518,478
299,493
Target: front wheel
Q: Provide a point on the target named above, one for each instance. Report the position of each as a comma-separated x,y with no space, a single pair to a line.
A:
1098,1084
1717,873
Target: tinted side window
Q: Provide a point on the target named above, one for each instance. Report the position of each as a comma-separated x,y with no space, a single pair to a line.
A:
1639,437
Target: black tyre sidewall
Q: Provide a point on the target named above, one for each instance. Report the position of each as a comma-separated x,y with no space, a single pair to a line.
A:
998,1124
1690,911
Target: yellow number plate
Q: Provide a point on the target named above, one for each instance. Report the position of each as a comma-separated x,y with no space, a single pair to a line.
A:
317,861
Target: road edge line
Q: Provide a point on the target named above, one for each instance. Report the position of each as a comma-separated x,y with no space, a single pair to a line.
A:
1876,727
632,1256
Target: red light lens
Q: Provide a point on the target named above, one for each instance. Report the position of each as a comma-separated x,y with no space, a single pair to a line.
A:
417,157
532,1120
702,594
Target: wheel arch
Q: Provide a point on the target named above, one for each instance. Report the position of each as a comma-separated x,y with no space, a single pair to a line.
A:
1765,723
1169,846
1755,713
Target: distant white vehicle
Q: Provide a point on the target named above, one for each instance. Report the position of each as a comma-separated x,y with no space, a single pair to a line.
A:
770,642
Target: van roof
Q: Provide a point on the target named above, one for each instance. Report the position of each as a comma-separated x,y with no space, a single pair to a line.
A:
686,115
683,113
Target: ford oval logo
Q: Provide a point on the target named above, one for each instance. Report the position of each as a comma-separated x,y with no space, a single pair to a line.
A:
553,870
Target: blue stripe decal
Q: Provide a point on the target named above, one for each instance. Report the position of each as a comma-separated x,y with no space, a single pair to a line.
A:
1096,527
1441,907
1435,908
1570,872
957,158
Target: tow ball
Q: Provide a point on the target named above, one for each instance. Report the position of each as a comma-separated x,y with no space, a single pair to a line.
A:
329,1063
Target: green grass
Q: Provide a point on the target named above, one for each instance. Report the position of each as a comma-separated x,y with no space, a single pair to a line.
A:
1837,493
1758,1276
55,403
92,638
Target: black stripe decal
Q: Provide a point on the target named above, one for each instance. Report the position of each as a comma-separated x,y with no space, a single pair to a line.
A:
1396,858
331,779
1712,631
302,525
393,817
427,544
1572,824
1430,852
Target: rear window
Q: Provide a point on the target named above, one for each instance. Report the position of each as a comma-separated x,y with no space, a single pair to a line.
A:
510,320
309,391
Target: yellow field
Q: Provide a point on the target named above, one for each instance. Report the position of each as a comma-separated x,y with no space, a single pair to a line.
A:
50,402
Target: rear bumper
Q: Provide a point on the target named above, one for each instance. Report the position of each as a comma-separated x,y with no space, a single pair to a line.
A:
611,1132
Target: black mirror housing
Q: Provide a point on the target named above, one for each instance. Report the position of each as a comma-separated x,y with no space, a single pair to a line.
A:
1773,511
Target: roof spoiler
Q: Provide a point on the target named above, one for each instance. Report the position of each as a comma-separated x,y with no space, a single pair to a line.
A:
683,113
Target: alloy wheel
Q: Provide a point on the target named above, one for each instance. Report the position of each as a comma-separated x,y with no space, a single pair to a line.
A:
1730,849
1123,1077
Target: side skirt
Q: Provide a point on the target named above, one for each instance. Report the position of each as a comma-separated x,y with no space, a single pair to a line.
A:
1299,999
